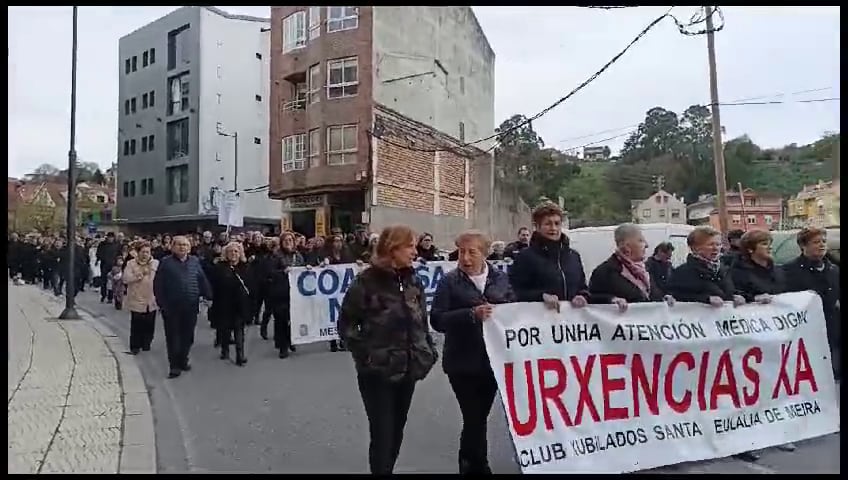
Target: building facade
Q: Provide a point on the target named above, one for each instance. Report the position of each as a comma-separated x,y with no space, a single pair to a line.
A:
815,205
661,207
193,120
749,211
598,153
370,111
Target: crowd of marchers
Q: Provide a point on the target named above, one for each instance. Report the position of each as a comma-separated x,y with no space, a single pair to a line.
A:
384,320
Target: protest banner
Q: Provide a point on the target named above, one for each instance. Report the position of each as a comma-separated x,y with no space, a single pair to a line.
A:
317,293
593,390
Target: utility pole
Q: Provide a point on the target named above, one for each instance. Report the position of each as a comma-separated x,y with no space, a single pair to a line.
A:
718,147
742,203
70,312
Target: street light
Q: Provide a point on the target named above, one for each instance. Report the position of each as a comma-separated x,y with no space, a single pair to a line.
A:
70,312
219,129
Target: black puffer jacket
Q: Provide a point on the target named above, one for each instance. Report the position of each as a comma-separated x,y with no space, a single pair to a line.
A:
695,282
801,274
659,272
548,267
277,282
383,321
465,351
751,279
231,307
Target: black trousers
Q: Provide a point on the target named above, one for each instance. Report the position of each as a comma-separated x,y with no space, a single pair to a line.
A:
179,336
282,327
237,334
386,405
475,394
142,329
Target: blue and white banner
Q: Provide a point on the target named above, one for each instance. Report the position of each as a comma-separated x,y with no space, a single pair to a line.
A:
317,293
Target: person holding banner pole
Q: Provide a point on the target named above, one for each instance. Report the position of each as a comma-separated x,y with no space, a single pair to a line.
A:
549,270
337,254
463,300
623,278
383,320
279,290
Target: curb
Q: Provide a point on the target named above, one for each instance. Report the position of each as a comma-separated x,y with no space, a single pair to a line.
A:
138,443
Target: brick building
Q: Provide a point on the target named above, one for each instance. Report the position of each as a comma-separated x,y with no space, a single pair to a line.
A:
361,99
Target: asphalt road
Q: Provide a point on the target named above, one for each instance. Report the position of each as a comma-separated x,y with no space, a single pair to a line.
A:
304,415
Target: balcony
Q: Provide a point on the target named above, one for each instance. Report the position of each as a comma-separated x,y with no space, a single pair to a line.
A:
298,104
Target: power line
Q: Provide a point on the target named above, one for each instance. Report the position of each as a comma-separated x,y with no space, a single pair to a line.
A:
682,28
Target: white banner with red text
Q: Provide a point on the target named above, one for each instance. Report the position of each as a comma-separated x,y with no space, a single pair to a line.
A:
317,293
593,390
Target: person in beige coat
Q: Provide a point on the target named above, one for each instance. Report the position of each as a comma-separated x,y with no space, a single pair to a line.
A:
140,300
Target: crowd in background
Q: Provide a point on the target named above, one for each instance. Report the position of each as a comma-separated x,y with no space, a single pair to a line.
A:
384,321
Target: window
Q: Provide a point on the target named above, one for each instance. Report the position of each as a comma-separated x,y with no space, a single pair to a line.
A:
218,97
132,188
177,139
342,18
341,144
126,147
144,186
258,98
257,140
150,186
132,105
143,144
145,59
152,98
132,147
152,61
218,72
768,219
294,152
342,78
176,46
657,199
101,199
314,22
294,31
178,90
313,81
144,101
126,107
662,213
461,132
314,147
736,219
177,184
134,63
127,68
675,213
258,56
752,219
150,143
462,85
646,213
126,189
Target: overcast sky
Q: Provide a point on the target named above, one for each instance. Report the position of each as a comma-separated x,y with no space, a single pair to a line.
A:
542,53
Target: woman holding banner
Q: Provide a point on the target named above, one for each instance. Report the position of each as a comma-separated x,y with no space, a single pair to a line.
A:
757,278
283,259
383,320
464,300
703,278
549,270
623,278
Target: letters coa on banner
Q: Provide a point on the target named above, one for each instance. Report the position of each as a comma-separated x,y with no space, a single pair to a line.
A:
593,390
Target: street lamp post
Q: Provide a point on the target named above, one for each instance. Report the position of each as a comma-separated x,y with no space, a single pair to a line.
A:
70,312
234,136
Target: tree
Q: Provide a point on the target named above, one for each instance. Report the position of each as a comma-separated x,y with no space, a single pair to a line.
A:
44,172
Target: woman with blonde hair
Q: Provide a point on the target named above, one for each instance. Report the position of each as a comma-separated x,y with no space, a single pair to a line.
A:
463,301
141,302
232,305
383,321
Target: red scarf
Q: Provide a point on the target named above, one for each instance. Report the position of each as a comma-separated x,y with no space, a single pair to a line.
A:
635,273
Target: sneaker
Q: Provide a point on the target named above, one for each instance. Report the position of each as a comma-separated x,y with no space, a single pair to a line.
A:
134,351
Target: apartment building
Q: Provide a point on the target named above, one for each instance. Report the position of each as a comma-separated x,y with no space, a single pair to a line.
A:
370,111
661,207
815,205
193,120
750,210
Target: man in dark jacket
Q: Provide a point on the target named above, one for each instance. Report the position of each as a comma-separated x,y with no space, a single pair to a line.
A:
13,255
107,252
734,237
178,285
659,265
514,248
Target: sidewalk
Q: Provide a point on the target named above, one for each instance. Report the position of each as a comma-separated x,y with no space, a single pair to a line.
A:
77,402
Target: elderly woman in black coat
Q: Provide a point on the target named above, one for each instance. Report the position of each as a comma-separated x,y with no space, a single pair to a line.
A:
464,300
549,270
703,278
232,307
623,278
